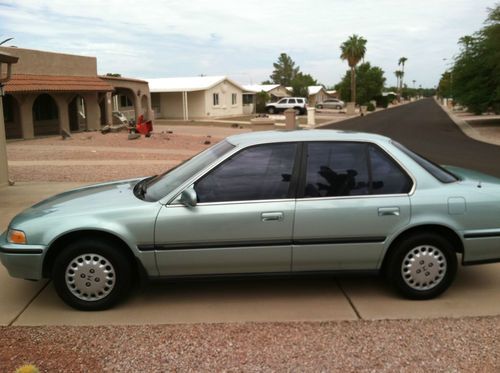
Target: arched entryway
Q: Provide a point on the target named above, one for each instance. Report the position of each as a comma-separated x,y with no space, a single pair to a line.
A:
12,117
124,100
77,114
45,116
144,107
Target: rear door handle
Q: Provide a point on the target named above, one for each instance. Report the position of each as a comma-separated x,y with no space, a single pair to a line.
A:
271,216
388,211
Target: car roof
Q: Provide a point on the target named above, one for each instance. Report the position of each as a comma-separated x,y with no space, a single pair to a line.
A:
303,135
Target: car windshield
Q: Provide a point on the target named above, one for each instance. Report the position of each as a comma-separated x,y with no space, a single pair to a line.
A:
435,170
162,185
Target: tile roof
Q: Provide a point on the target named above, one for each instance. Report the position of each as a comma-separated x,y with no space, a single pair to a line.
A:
53,83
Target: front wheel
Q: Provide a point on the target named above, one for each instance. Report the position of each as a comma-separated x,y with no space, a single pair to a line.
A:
319,106
271,110
422,266
91,275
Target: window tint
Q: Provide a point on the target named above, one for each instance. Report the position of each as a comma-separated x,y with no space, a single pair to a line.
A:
291,101
282,101
387,176
336,169
259,172
438,172
352,169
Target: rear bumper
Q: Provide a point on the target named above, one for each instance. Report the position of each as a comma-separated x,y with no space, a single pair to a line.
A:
481,247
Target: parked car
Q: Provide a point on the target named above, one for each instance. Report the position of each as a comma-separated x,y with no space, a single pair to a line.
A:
331,103
299,104
264,203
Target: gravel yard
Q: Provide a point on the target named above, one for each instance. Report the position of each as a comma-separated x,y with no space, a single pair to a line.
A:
94,157
439,345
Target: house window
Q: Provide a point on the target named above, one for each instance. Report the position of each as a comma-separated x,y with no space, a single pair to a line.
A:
248,99
125,101
234,99
216,99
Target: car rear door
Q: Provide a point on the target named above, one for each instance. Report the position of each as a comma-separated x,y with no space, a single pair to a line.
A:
242,222
352,197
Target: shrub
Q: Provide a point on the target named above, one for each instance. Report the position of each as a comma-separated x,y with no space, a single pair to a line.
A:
370,107
382,101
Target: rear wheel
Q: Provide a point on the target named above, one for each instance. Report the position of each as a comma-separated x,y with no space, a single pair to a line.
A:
298,111
422,266
91,275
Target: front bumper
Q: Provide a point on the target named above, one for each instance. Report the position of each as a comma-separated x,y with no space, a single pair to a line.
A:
23,261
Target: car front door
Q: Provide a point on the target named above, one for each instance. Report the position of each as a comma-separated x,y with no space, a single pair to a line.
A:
352,197
242,222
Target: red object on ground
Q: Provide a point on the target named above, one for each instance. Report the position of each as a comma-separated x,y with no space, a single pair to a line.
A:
144,127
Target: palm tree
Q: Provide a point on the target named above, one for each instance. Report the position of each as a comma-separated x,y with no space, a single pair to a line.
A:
353,50
399,75
401,62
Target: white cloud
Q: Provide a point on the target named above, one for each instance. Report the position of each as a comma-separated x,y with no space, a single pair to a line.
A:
169,38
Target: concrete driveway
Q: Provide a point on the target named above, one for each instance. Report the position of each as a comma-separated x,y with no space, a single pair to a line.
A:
475,293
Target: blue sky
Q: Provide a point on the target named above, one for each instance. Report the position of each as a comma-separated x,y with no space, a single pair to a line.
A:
172,38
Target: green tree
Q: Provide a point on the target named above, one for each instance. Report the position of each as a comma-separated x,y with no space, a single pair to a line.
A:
445,85
353,50
370,80
284,70
300,84
475,77
261,98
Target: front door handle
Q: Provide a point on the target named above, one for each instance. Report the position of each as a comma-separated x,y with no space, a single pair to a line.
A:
271,216
388,211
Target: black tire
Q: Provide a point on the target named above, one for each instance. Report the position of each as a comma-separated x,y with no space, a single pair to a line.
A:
271,110
104,270
338,107
298,111
422,266
319,106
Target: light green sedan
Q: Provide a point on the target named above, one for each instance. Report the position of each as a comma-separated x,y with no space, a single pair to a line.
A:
264,203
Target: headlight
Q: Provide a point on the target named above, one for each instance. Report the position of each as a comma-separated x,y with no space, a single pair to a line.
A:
15,236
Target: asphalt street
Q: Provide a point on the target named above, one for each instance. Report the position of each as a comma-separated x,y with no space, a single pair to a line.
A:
426,129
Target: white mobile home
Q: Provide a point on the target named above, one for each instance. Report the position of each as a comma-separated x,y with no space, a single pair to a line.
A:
196,97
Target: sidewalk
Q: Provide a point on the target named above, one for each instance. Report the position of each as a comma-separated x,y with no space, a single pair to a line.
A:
475,126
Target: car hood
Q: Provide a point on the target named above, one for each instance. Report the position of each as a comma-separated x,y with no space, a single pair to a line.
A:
92,198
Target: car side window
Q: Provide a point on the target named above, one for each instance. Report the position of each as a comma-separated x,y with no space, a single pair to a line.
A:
282,101
291,101
257,173
351,169
387,176
336,169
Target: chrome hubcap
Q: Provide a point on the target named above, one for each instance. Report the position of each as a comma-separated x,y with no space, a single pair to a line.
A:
90,277
424,267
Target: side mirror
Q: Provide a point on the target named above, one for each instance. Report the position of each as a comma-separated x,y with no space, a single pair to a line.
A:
189,197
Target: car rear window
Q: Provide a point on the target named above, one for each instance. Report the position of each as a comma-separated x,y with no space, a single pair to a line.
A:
435,170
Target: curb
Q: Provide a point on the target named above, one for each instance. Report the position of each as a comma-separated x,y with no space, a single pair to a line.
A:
465,127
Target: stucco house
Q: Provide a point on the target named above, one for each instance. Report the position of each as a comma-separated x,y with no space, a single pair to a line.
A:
317,94
196,97
49,92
